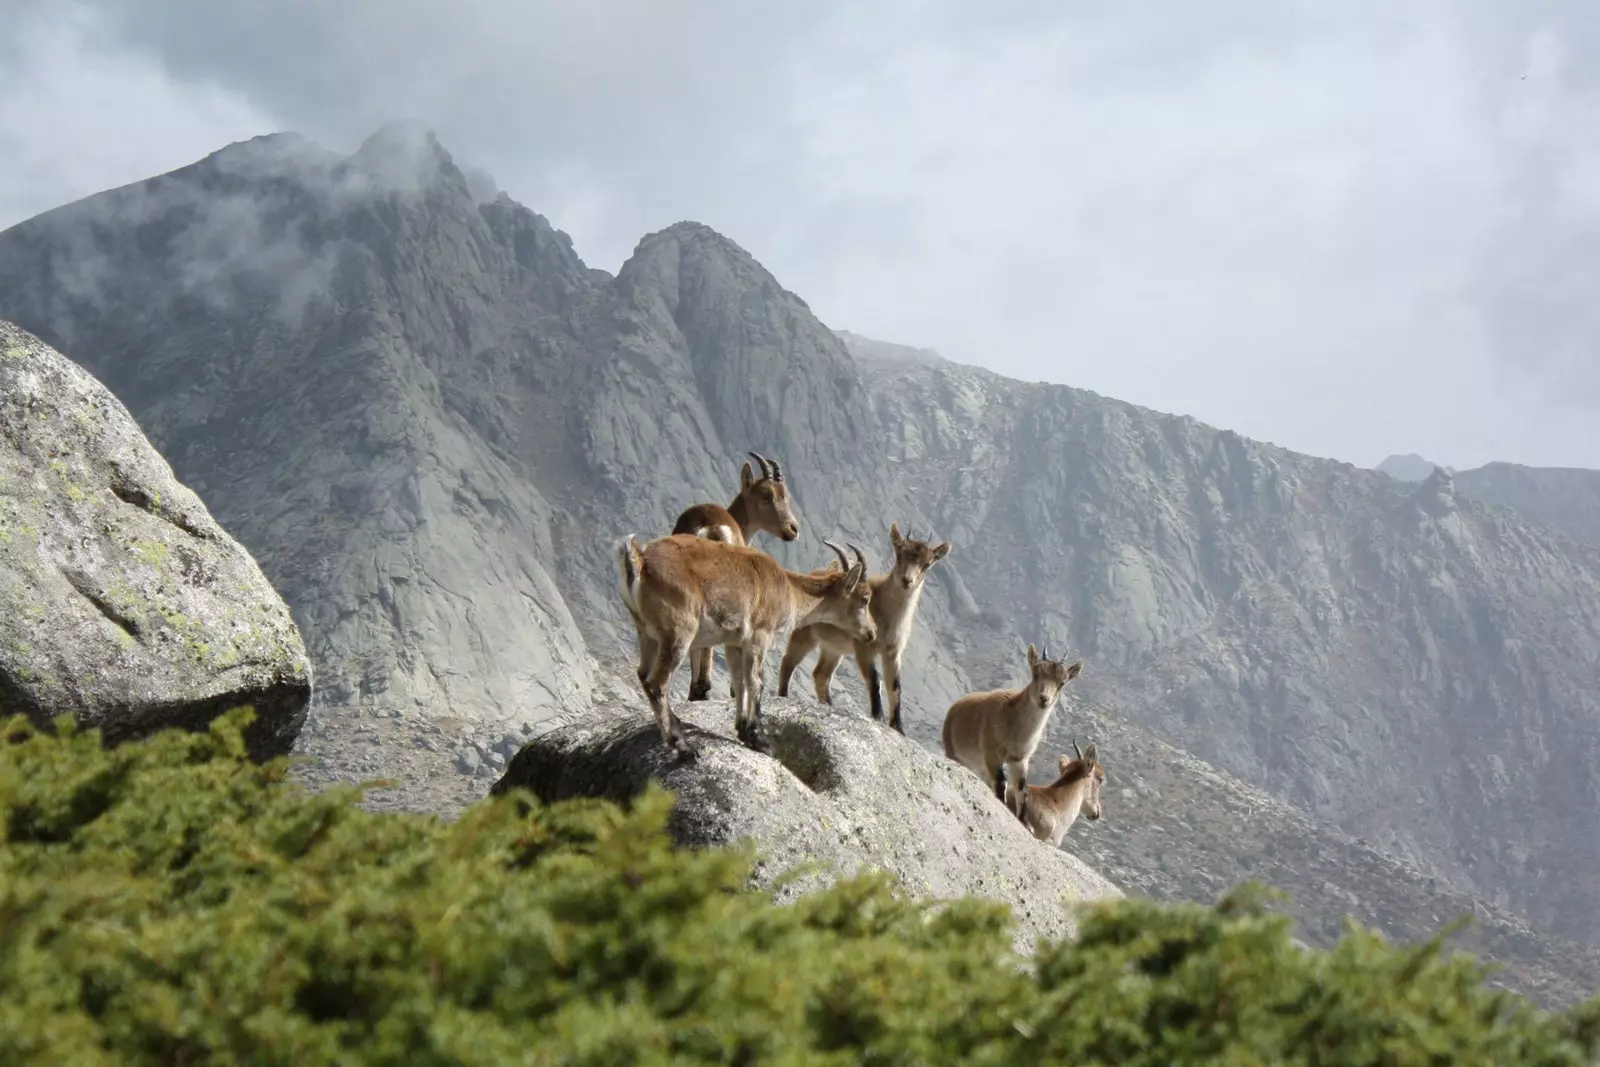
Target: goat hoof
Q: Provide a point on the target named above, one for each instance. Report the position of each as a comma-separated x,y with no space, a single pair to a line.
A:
683,748
700,692
894,724
755,739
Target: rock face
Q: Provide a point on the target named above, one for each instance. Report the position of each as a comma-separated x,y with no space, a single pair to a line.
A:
124,602
842,791
431,422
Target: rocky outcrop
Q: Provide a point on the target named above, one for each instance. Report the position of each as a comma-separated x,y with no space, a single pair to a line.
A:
840,790
122,601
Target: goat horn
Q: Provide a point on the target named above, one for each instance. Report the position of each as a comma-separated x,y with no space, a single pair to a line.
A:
1076,749
844,561
762,463
777,471
861,559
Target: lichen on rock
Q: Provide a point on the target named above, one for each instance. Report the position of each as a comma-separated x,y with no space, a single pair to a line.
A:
122,601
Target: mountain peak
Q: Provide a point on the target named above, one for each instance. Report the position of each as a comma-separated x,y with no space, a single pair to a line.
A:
698,236
1408,468
404,156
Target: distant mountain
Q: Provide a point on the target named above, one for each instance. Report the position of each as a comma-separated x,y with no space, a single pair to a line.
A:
887,353
1566,498
431,422
1408,468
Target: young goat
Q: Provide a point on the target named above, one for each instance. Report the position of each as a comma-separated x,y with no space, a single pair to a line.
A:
1000,728
1053,808
762,506
688,592
894,608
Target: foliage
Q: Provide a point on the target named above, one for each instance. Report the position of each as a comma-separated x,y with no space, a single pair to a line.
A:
169,902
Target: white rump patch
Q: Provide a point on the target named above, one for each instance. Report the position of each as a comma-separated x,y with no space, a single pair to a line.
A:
720,532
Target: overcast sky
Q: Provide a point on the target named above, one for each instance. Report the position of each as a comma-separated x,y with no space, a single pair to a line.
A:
1348,228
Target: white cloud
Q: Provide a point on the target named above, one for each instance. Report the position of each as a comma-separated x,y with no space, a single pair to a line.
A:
1349,229
76,119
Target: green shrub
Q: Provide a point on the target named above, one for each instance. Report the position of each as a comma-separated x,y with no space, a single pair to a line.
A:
168,902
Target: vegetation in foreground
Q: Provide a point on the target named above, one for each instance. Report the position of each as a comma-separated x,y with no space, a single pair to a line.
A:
169,902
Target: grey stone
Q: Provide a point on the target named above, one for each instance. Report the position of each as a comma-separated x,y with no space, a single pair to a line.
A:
122,601
468,761
842,791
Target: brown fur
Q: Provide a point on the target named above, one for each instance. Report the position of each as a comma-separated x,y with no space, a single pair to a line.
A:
688,592
894,607
1053,808
762,506
1001,728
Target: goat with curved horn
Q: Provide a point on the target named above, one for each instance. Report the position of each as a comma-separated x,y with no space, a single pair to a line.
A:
894,605
762,506
687,593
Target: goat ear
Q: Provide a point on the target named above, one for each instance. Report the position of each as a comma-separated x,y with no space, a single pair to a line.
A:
1072,671
746,476
1064,762
895,536
1090,756
1033,656
941,551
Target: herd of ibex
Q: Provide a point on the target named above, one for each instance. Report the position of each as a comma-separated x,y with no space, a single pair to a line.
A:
702,587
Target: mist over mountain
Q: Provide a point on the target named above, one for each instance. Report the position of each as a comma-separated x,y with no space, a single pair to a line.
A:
430,421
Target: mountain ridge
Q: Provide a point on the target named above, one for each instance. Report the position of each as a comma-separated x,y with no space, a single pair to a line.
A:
433,449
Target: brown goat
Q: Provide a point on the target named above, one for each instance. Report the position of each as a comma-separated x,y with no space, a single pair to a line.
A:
1000,728
1052,809
894,607
762,506
688,592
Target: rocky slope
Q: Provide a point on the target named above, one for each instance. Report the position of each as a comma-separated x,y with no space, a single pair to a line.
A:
430,421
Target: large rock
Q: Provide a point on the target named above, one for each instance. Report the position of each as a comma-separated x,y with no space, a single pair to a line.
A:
843,790
121,599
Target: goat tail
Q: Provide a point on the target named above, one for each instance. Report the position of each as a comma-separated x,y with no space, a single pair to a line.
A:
630,560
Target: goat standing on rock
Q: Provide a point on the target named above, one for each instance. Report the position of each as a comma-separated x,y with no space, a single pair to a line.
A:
762,506
687,592
1000,728
1052,809
894,607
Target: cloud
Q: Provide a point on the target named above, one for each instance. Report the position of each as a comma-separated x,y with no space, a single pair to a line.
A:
76,118
1350,229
